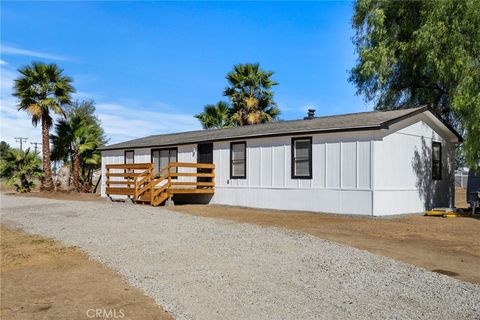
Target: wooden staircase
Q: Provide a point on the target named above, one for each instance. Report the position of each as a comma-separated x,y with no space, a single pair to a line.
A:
141,184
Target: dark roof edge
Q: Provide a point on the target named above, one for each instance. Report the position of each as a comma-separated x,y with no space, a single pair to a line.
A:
384,125
387,124
446,124
267,135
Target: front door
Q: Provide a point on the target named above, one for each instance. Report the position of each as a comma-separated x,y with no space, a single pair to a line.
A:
205,155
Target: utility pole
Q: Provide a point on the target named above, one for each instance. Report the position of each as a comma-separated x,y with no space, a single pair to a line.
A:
21,140
36,144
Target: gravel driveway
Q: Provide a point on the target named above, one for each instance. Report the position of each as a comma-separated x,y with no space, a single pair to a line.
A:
202,268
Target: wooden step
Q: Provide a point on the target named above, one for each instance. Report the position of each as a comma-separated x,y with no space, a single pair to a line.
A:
133,178
160,199
120,191
191,190
145,197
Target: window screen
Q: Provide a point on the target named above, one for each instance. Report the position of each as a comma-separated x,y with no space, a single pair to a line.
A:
302,158
436,161
238,157
129,156
162,157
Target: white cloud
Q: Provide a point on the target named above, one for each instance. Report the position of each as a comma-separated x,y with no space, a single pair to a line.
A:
121,121
6,79
125,123
15,123
80,95
10,50
296,108
2,62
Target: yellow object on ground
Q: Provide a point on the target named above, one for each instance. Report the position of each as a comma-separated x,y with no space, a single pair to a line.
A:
446,213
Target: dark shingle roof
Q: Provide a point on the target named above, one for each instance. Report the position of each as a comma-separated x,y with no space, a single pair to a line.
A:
346,122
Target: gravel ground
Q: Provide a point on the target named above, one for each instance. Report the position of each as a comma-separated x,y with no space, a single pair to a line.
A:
202,268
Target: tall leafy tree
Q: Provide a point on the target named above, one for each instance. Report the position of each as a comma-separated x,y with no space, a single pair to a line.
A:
216,116
76,140
251,95
21,168
43,89
422,52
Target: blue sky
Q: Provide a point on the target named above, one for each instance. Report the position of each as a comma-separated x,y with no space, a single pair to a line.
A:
150,66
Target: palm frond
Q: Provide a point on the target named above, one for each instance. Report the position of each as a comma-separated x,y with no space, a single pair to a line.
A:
250,94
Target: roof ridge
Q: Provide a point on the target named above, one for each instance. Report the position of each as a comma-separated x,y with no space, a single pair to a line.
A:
368,120
283,121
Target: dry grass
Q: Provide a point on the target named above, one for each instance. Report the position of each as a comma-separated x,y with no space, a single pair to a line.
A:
72,195
41,279
75,196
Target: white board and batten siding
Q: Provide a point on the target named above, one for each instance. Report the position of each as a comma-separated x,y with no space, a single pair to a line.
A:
403,170
377,172
341,175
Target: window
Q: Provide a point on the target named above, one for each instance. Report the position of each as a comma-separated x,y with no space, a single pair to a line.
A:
238,160
161,158
129,158
436,161
302,158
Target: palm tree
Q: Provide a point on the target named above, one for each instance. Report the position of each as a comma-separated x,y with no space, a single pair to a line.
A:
73,137
215,116
77,138
20,168
250,93
42,89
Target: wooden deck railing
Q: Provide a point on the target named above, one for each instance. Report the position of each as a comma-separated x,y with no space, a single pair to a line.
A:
141,184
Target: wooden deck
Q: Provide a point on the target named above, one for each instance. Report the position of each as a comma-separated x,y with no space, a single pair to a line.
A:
141,184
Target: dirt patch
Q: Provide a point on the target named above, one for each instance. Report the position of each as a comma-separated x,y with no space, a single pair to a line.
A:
41,279
433,243
57,195
75,196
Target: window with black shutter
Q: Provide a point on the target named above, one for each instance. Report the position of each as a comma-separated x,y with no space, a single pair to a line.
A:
238,160
436,161
302,158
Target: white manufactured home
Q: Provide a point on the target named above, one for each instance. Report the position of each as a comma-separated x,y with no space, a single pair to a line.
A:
372,163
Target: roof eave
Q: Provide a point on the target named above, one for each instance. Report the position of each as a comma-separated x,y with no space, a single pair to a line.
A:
387,124
243,137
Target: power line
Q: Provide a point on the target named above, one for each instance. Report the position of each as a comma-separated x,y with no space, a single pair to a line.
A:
36,144
21,140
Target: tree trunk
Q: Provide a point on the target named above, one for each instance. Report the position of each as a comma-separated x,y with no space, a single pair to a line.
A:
47,181
24,184
76,171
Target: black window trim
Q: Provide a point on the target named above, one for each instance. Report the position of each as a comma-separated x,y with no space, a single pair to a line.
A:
159,149
125,155
292,158
125,160
439,144
231,160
